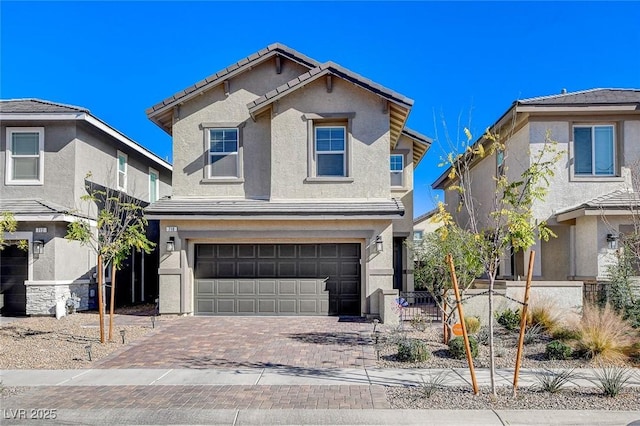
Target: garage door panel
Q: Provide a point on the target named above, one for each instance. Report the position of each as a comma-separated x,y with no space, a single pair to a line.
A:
225,306
246,306
285,279
287,307
266,288
266,269
350,269
226,287
205,306
309,287
287,287
308,307
226,269
246,269
246,288
205,287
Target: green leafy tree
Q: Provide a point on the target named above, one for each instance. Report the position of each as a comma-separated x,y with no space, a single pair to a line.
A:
119,230
9,225
431,271
507,222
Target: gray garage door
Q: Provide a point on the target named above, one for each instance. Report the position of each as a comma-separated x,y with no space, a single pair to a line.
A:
277,279
14,267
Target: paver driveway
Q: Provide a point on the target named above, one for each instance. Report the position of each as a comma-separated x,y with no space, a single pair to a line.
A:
252,342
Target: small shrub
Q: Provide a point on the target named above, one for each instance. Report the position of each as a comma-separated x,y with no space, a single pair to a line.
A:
413,350
566,334
472,324
605,336
532,334
611,380
553,381
483,335
419,322
544,313
509,319
558,350
434,383
457,350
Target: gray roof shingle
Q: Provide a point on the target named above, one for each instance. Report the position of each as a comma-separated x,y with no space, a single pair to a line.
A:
207,207
335,69
35,207
588,97
36,106
618,199
218,77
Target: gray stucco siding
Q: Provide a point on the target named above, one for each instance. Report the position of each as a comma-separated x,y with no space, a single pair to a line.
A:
58,165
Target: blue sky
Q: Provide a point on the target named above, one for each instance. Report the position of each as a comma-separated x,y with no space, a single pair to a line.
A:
461,62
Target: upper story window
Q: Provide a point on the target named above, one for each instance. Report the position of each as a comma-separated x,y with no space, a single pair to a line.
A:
594,148
330,150
24,156
417,236
223,153
154,185
397,168
122,171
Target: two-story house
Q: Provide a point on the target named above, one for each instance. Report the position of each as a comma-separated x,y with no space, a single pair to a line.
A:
46,151
591,197
292,193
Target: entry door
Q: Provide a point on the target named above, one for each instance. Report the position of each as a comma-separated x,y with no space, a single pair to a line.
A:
14,271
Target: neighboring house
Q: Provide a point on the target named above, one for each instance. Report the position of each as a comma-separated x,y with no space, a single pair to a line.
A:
293,191
423,225
46,151
590,197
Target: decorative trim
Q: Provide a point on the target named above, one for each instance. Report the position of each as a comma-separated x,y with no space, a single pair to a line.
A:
381,272
326,179
221,180
222,124
327,115
169,271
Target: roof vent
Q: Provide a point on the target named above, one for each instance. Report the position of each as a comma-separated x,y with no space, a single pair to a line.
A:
563,91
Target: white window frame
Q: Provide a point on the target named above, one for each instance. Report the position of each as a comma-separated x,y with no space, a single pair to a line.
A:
415,235
614,142
236,153
401,171
332,152
123,187
9,180
156,196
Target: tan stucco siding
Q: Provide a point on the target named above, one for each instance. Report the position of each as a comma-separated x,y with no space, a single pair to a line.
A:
405,194
631,150
214,106
369,155
565,191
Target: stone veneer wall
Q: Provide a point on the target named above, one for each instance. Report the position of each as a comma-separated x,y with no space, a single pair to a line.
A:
42,298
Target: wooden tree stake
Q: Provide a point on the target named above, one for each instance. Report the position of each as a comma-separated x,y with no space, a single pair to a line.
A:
523,321
100,298
465,336
113,298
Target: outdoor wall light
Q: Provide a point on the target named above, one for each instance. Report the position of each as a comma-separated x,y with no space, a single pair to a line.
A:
171,244
612,240
379,245
38,247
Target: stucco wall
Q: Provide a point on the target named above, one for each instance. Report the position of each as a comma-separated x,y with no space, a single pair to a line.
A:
189,151
59,164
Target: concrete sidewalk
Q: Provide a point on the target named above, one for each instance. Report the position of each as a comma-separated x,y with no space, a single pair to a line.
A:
290,376
265,396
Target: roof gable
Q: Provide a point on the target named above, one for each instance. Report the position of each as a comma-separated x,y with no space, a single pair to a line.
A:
159,112
399,106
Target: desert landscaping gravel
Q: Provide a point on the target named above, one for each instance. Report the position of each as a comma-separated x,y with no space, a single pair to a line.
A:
53,344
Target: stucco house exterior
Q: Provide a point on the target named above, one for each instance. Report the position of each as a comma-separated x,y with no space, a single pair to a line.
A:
292,193
591,196
46,151
423,225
